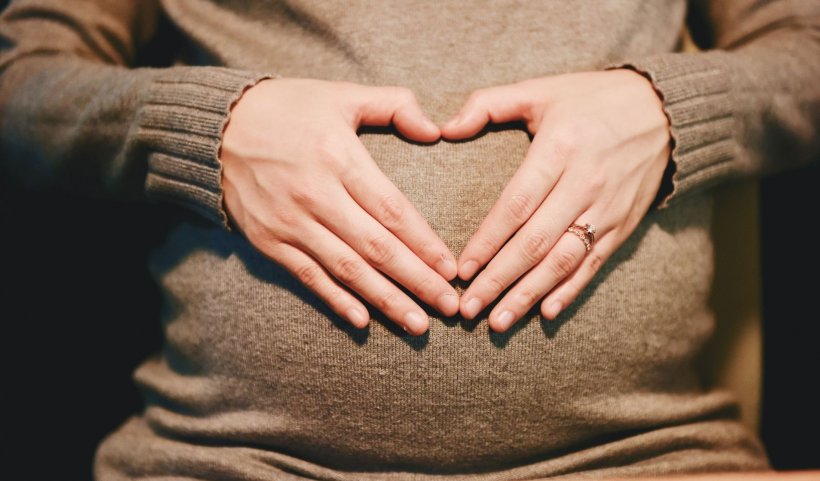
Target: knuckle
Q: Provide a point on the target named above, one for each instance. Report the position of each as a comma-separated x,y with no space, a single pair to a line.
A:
567,141
424,249
379,250
268,233
543,169
563,263
349,270
305,195
328,154
595,262
390,212
495,284
591,189
421,286
309,275
288,217
273,249
486,246
535,246
291,230
258,231
518,207
595,183
528,296
386,302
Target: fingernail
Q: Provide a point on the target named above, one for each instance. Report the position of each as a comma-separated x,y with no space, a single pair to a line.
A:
452,267
472,307
356,317
414,321
553,309
448,303
504,320
448,267
468,269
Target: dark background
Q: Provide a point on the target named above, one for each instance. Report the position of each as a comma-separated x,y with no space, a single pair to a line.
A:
80,312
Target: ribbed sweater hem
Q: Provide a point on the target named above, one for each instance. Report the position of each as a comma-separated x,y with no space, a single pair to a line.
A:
694,91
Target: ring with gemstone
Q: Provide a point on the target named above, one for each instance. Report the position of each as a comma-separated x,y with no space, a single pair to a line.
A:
584,232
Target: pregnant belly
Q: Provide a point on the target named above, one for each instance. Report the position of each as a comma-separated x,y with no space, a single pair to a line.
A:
253,357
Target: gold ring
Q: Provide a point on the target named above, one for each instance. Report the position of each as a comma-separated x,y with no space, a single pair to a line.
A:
584,232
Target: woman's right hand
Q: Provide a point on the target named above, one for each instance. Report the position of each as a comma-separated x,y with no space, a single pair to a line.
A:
305,192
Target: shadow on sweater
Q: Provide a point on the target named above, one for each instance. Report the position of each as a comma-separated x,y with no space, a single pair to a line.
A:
196,233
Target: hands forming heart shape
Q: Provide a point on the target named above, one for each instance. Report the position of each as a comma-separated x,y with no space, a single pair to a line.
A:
306,193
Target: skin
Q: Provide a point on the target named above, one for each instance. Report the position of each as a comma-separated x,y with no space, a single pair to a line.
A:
306,193
600,147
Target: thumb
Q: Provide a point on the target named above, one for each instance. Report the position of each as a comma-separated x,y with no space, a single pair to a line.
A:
397,105
493,104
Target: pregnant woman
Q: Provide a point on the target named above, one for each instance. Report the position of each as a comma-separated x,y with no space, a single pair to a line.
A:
418,240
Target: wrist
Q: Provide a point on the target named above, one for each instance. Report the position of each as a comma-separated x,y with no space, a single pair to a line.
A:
666,185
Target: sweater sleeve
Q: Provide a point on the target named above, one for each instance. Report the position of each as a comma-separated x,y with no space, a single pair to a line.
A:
749,102
77,114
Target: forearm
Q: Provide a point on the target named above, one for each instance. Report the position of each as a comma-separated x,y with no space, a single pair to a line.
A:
75,115
67,123
749,106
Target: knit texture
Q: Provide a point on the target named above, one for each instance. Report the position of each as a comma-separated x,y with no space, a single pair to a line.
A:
259,380
181,122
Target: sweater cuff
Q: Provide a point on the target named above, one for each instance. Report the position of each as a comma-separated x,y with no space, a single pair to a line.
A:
694,91
181,123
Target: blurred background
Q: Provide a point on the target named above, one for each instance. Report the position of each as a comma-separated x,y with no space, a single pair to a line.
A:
71,263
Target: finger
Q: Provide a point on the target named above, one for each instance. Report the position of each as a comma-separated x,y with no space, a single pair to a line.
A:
316,278
351,270
525,191
570,288
377,195
381,249
526,248
494,104
396,105
561,261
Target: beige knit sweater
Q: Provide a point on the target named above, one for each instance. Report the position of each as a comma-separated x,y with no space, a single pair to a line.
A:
258,380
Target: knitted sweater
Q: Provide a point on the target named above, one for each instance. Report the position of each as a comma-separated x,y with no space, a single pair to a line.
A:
259,380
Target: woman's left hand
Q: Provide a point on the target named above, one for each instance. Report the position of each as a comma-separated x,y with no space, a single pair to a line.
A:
600,148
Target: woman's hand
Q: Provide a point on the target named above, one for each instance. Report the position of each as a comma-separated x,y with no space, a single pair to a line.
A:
305,192
601,145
